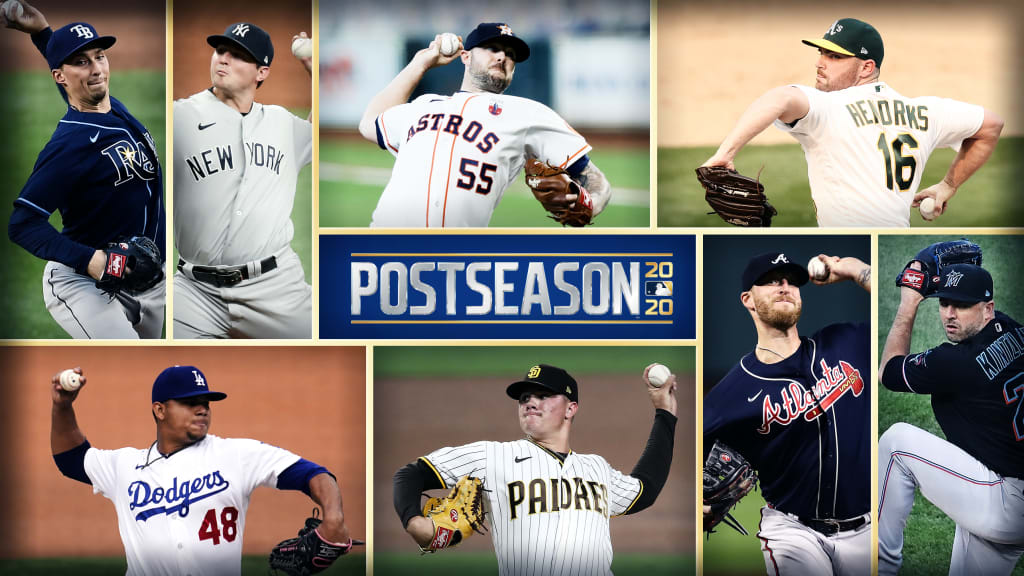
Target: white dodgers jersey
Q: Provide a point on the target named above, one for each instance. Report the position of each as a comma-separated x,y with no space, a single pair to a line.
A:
185,514
456,155
866,148
548,515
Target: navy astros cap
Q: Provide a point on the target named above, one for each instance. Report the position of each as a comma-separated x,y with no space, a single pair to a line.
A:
852,37
183,382
964,283
250,37
492,30
551,378
72,39
764,263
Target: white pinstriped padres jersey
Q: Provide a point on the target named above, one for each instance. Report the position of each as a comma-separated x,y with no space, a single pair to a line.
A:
866,148
456,155
185,514
548,517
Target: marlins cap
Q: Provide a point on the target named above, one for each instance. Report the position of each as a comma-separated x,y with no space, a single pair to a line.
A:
852,37
964,283
551,378
72,39
497,30
250,38
764,263
179,382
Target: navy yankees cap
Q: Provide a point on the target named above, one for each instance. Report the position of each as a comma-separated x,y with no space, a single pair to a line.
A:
549,377
183,382
964,283
72,39
764,263
852,37
250,37
497,30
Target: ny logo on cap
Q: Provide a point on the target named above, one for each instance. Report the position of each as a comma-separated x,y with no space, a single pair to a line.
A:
240,30
780,258
83,31
199,378
534,372
953,279
835,28
506,30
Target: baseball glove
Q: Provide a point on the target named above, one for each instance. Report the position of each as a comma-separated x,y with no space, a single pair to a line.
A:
308,553
738,199
934,259
133,265
727,478
551,185
457,515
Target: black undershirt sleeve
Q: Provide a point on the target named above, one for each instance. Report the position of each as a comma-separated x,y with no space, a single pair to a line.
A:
653,466
409,483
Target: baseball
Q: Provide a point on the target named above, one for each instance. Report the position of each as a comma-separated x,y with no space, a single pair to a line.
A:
13,10
449,44
302,48
817,269
927,208
658,375
69,380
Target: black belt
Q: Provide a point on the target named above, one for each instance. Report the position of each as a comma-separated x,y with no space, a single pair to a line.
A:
829,526
227,276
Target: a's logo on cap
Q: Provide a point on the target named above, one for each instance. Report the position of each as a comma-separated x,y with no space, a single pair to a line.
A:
83,31
534,372
863,50
505,29
953,279
240,30
780,258
835,28
199,379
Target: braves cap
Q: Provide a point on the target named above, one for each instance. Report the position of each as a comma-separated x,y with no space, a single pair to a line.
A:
491,30
551,378
183,382
72,39
964,283
250,37
764,263
852,37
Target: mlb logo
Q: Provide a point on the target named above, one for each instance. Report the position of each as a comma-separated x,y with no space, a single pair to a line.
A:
658,287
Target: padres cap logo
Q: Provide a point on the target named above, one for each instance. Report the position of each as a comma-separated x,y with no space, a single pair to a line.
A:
534,372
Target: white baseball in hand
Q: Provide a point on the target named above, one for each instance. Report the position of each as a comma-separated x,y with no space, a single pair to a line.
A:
927,208
817,269
302,48
449,44
13,10
70,380
658,375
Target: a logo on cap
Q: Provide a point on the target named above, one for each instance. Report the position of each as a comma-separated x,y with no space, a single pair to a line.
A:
534,372
240,30
506,30
200,381
953,279
835,28
83,31
780,258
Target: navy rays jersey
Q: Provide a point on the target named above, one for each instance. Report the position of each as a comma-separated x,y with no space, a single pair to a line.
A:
803,423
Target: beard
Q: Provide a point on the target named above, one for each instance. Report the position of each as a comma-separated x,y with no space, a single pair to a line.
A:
483,79
778,319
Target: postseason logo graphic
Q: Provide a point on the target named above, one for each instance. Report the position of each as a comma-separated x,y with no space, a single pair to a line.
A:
507,287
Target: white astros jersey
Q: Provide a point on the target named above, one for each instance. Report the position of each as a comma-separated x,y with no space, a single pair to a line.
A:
866,147
185,514
548,517
234,179
456,155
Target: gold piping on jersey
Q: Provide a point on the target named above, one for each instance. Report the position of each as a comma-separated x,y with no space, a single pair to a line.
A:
439,477
552,453
633,503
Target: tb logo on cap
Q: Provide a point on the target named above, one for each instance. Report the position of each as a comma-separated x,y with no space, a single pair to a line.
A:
82,31
199,379
780,258
240,30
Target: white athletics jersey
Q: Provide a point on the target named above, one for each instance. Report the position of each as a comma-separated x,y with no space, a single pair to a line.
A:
185,514
234,179
866,147
548,517
456,155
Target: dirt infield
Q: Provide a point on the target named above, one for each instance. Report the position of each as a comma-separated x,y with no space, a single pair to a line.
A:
714,59
310,400
415,417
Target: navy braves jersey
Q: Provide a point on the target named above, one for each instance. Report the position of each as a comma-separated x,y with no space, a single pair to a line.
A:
803,423
976,388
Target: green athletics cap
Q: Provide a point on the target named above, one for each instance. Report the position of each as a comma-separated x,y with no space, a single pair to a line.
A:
852,37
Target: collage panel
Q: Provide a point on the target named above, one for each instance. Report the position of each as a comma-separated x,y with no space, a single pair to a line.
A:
227,426
787,394
441,413
950,464
85,136
413,136
243,152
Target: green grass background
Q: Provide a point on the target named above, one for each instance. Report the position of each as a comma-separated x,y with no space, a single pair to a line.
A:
350,203
251,566
929,532
729,552
485,563
989,198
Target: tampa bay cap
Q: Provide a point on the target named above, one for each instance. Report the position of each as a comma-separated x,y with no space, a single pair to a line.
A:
72,39
250,38
964,283
179,382
852,37
545,376
762,264
497,30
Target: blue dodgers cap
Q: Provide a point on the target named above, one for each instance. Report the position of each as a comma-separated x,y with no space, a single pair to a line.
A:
183,382
964,283
72,39
497,30
764,263
250,37
545,376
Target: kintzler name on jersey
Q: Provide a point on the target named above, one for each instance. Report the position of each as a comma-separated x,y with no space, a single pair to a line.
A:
177,498
795,400
220,158
556,494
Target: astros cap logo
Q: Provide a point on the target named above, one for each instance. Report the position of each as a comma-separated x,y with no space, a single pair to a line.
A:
240,30
82,31
506,30
534,372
